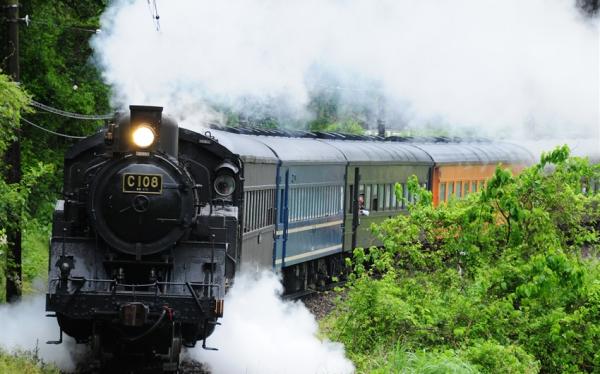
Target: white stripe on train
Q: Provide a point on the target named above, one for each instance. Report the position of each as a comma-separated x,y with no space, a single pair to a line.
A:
308,254
311,227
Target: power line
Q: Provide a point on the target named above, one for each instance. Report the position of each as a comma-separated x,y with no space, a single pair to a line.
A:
52,132
154,13
29,21
64,113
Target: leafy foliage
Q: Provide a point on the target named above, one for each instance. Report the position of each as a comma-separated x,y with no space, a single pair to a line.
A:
56,69
331,116
25,363
13,100
348,126
13,197
508,279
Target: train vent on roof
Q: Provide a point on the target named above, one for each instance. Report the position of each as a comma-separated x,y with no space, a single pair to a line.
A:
328,135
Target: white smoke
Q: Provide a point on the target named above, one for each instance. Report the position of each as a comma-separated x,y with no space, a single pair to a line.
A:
263,334
502,67
25,327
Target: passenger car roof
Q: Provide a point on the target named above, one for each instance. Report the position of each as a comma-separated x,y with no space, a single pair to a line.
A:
379,151
482,152
249,148
303,149
269,149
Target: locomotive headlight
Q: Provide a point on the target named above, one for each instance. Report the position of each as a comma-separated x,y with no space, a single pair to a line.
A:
143,136
224,184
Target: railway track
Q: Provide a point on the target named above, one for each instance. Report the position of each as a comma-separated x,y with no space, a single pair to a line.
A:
301,295
187,367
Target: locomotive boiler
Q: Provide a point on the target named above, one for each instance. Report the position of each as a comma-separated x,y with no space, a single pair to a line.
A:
145,240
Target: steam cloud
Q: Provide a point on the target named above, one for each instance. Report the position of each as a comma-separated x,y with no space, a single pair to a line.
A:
263,334
507,67
25,327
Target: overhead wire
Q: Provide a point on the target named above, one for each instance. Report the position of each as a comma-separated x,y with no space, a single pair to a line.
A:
29,20
153,8
64,113
52,132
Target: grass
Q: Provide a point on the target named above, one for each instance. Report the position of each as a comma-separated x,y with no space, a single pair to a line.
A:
24,363
36,239
400,360
403,361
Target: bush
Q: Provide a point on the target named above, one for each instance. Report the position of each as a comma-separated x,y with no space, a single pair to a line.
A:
24,363
507,278
423,362
491,357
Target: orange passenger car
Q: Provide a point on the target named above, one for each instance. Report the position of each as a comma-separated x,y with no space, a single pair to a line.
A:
462,168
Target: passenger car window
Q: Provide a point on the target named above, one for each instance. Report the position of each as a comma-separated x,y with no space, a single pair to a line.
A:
388,197
374,197
442,192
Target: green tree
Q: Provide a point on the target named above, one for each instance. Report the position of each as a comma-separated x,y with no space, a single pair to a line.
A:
57,69
348,126
331,116
13,101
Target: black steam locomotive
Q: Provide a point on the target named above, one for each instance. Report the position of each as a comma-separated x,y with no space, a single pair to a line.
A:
145,241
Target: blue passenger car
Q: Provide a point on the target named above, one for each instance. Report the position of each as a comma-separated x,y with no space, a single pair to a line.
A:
309,199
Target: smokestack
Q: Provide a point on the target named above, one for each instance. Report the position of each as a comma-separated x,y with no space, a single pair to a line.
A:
243,121
380,117
381,127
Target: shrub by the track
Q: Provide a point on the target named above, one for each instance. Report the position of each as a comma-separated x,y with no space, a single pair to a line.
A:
24,363
505,281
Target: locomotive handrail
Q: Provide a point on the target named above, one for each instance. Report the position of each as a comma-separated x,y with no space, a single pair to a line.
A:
133,287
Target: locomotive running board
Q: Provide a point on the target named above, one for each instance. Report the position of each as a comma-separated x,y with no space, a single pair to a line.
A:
60,338
204,340
59,341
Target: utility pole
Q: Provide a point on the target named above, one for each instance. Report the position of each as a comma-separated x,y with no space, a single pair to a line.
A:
13,154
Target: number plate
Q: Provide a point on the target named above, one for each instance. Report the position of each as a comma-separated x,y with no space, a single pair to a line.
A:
142,183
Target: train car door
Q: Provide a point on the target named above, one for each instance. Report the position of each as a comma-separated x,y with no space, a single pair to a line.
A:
355,206
282,219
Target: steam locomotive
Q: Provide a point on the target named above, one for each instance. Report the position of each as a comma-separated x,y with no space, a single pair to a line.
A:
156,220
145,239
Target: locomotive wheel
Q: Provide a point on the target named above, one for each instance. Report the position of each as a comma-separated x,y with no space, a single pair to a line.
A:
96,346
171,364
99,356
